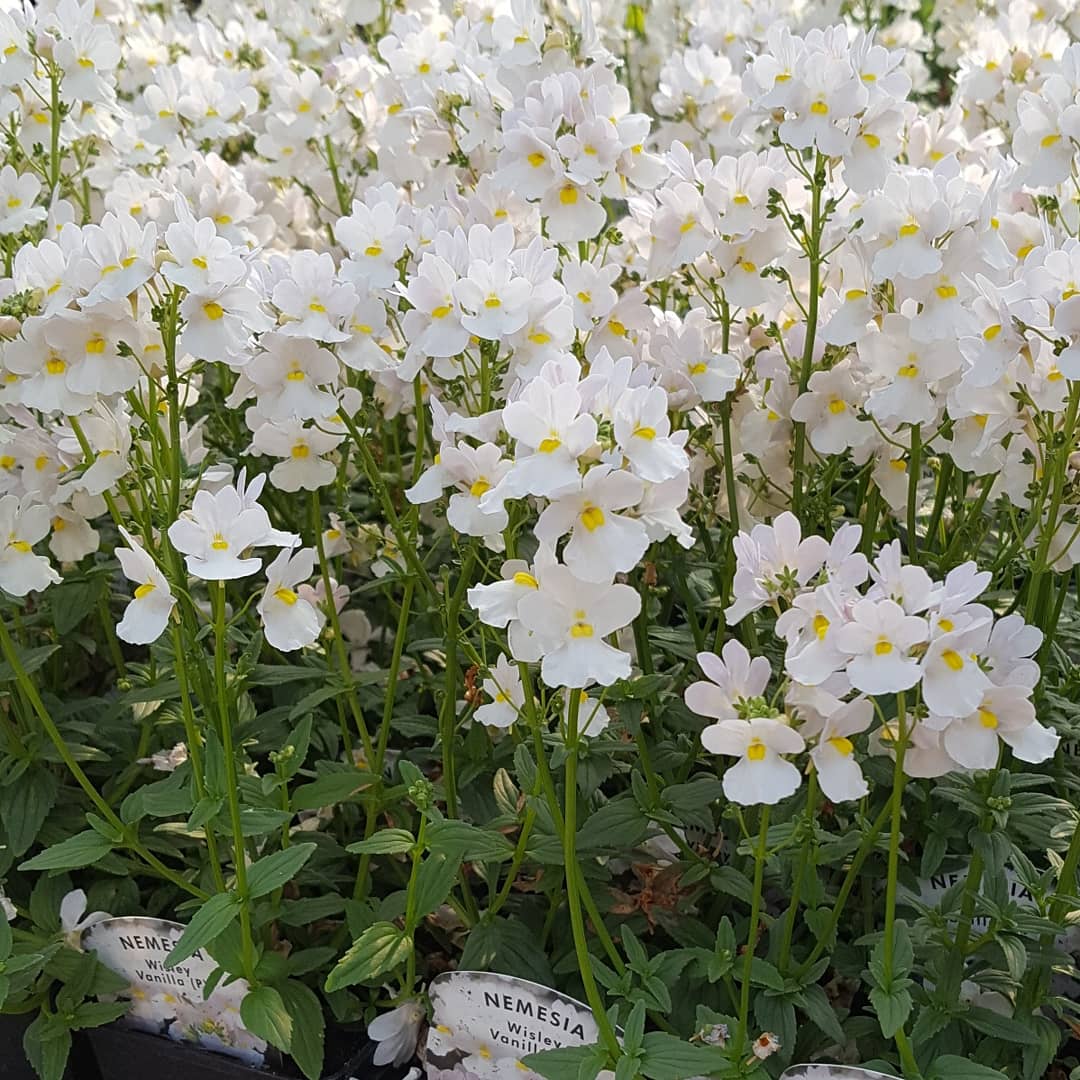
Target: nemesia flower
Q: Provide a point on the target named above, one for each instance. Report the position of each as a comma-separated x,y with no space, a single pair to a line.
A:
396,1033
290,621
761,775
147,615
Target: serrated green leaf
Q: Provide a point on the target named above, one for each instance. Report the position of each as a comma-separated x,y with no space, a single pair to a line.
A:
273,871
385,842
265,1016
892,1010
82,849
309,1027
380,948
209,921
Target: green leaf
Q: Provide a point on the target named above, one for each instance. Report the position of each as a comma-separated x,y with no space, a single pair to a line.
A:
452,837
209,921
47,1043
5,936
668,1057
815,1003
951,1067
434,881
91,1014
309,1027
82,849
385,842
999,1027
71,602
333,788
25,805
892,1009
29,659
379,949
568,1062
265,1016
272,871
293,753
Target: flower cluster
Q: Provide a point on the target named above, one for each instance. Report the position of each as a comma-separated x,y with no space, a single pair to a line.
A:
969,676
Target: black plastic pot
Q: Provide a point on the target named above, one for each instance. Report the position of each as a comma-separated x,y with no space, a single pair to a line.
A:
123,1053
13,1064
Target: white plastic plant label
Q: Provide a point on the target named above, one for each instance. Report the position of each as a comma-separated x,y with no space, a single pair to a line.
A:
485,1024
171,1002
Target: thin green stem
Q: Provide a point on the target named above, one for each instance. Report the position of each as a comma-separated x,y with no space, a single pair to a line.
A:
573,898
760,849
217,592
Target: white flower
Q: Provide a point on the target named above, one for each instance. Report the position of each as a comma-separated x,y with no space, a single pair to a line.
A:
761,775
74,918
839,774
290,620
506,693
1005,713
396,1033
732,681
879,639
17,195
643,434
167,760
953,683
769,559
592,718
571,618
217,531
147,615
602,542
22,524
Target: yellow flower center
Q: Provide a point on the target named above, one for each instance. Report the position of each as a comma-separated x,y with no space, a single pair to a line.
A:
836,406
821,626
493,302
819,108
592,517
883,647
987,718
144,590
953,660
55,366
440,312
946,624
568,195
842,745
286,596
526,581
219,543
757,750
479,487
646,433
213,311
373,251
550,445
96,345
301,450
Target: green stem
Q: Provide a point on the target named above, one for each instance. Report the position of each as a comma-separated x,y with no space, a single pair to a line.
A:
752,930
573,899
865,847
194,746
217,592
914,468
338,645
29,691
360,888
812,794
411,901
813,255
907,1059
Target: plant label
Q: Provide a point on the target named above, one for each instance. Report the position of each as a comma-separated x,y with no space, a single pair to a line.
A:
173,1002
486,1023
